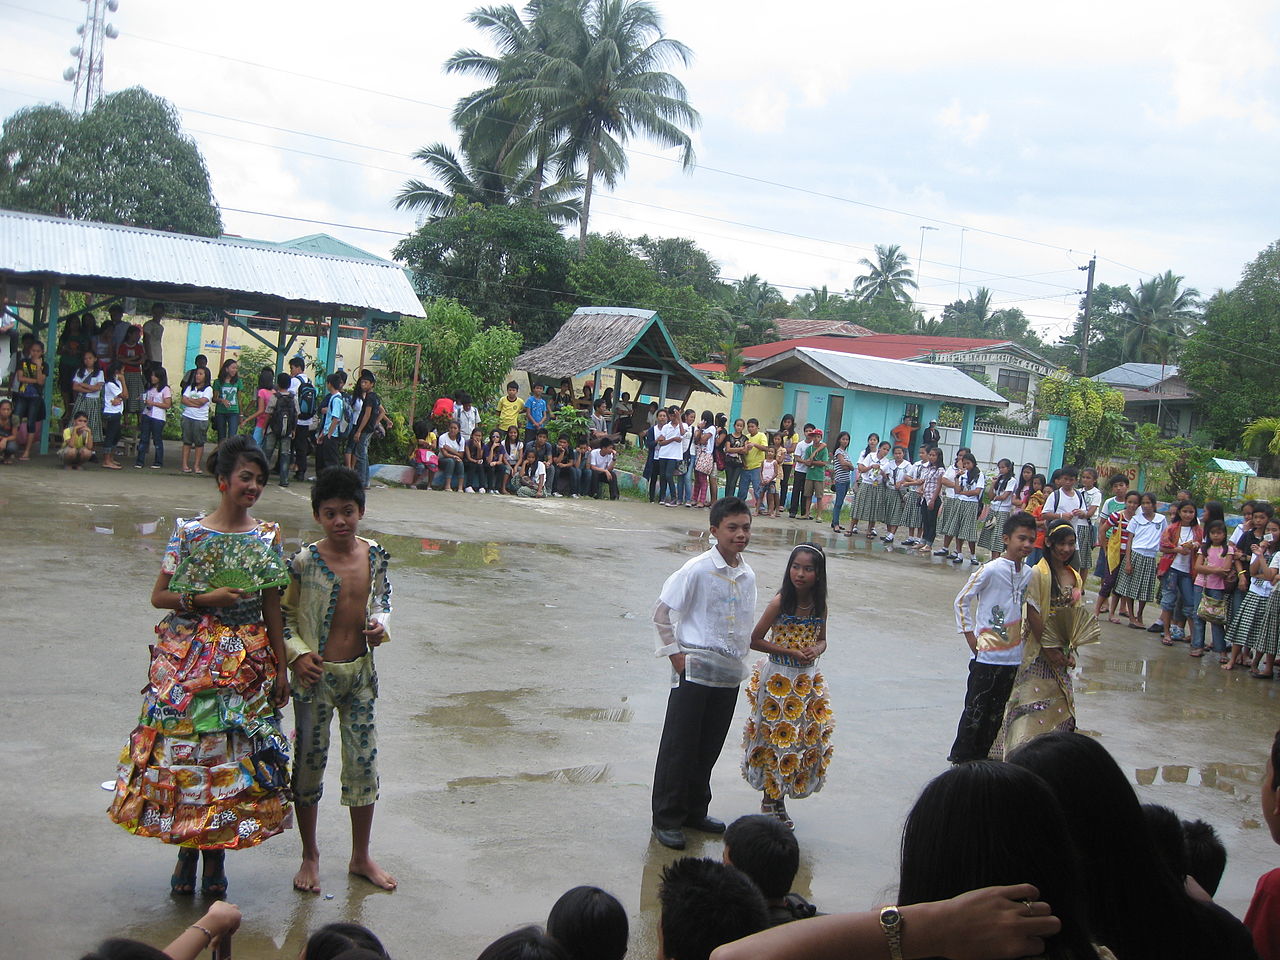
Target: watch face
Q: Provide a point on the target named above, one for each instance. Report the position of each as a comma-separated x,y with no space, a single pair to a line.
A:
890,916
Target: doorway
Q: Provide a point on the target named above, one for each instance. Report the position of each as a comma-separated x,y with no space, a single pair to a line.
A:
835,417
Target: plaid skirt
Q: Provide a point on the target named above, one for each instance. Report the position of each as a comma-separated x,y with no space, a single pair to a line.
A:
868,503
1247,626
1269,636
991,537
912,515
92,408
960,519
1142,583
893,507
136,386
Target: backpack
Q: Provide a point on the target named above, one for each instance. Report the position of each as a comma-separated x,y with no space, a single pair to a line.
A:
306,400
345,424
282,416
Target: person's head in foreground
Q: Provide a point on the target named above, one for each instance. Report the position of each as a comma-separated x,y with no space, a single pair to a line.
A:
337,501
766,850
335,939
527,943
590,924
730,522
705,903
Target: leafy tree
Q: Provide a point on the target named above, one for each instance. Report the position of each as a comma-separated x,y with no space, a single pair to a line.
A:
1107,330
1262,438
125,161
755,306
1094,412
887,277
506,264
1157,317
1230,360
680,262
458,353
975,317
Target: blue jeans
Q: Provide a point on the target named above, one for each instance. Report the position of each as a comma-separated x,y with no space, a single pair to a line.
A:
841,490
258,434
152,430
450,474
226,424
749,480
682,481
1178,594
666,479
473,475
1197,627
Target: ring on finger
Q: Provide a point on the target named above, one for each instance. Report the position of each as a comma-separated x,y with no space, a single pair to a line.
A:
1031,910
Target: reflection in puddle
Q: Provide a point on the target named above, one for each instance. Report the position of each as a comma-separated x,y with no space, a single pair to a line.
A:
1234,779
587,773
612,715
473,709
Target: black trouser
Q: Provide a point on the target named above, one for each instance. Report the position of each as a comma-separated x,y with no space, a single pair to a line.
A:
598,480
327,453
984,701
797,492
693,734
301,450
929,519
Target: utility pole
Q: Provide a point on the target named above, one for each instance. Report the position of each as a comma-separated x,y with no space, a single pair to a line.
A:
960,266
1088,302
920,255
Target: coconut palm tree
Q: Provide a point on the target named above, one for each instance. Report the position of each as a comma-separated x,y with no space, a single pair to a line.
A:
1262,438
601,83
1160,312
888,277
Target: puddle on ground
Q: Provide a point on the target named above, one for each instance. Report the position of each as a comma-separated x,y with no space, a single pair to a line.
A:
474,709
1234,779
609,714
587,773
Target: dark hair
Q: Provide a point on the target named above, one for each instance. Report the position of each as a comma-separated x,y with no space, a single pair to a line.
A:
87,372
282,382
753,420
1043,482
267,377
787,592
334,380
590,924
1136,906
1133,493
527,943
227,455
951,844
1004,480
1214,510
113,372
1166,832
1118,478
464,397
970,475
1177,511
726,506
1060,531
117,948
1206,856
161,374
226,365
333,939
1090,472
1265,507
512,385
298,362
706,904
1209,527
337,483
1018,520
708,418
1067,471
766,850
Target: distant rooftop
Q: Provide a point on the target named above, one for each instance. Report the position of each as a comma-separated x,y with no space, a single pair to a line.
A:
805,327
1138,376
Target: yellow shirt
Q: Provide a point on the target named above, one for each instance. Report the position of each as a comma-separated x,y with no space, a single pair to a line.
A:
76,441
509,412
756,447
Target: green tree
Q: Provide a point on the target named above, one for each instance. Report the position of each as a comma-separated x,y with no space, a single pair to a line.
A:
679,262
887,277
977,317
1107,329
1158,314
506,264
458,353
125,161
1094,412
1262,438
1230,360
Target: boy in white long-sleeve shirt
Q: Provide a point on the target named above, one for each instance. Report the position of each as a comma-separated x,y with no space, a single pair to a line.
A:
704,618
989,614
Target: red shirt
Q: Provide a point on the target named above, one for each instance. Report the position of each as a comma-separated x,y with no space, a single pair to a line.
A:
443,407
1263,918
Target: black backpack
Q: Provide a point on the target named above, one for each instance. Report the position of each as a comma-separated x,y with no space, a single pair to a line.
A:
282,416
306,399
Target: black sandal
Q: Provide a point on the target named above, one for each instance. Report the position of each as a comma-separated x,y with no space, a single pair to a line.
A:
778,810
214,885
183,881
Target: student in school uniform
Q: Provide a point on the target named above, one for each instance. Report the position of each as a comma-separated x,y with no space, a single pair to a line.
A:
1137,579
960,518
948,487
867,475
895,474
912,515
1001,491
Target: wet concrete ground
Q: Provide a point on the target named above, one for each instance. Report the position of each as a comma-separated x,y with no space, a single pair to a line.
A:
519,717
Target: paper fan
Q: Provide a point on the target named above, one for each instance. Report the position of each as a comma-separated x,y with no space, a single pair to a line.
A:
241,561
1072,627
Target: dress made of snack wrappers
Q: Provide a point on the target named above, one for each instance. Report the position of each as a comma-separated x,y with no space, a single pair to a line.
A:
786,746
207,765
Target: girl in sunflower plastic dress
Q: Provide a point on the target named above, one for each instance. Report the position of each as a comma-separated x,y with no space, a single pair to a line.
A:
787,741
206,767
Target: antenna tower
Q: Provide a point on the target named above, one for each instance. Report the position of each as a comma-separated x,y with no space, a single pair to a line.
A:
94,34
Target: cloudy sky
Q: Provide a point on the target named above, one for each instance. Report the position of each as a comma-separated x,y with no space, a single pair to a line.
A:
1028,136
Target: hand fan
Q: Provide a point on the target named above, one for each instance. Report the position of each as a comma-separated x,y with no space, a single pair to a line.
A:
1073,625
242,561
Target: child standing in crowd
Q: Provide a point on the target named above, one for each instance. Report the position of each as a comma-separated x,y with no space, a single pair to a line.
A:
989,614
1114,538
841,472
1137,579
602,470
132,355
704,461
473,461
114,398
86,386
815,484
684,467
512,457
1023,491
77,442
510,408
1267,646
335,416
336,610
698,619
1118,484
1180,541
752,458
536,413
912,516
670,440
961,517
155,409
32,371
1035,506
1088,531
196,398
787,741
734,444
1246,624
789,439
1065,503
929,483
649,441
1002,493
769,482
895,474
265,389
1211,565
226,412
282,419
799,471
868,476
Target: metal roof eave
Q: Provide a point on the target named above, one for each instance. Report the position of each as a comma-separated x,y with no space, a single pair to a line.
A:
815,364
656,320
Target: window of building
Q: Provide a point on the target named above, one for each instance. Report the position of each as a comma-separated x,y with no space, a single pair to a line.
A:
1018,381
972,369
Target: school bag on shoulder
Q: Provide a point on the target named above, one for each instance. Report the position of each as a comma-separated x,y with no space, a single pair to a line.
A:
344,417
306,400
282,416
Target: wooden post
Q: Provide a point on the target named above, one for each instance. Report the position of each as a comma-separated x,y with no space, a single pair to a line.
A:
413,394
280,340
662,392
222,355
53,302
331,346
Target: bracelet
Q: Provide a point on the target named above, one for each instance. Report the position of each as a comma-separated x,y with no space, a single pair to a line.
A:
186,602
204,930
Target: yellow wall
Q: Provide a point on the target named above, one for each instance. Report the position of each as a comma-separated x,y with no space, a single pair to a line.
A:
175,347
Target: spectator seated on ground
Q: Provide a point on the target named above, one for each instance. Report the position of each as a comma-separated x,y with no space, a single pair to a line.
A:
1263,918
1206,855
1166,830
590,924
705,904
527,943
221,920
766,850
335,940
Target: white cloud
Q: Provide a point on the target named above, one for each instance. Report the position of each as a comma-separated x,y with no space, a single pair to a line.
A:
968,128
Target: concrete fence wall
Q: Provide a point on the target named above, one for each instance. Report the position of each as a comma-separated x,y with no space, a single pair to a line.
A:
989,448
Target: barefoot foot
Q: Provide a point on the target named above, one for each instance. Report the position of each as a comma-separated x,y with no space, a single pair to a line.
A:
307,879
370,870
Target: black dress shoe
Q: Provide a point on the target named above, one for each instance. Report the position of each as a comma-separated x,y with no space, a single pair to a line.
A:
672,837
706,825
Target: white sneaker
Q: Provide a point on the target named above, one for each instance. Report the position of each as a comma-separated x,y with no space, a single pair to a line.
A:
481,490
469,490
575,496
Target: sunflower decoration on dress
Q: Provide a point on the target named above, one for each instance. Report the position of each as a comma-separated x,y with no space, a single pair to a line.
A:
826,761
239,560
778,685
792,708
770,710
800,784
819,683
809,759
753,684
802,685
763,756
772,786
826,734
788,764
812,734
749,732
784,735
820,709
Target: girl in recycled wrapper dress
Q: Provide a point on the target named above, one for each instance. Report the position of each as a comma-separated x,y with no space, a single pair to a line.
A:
787,740
206,767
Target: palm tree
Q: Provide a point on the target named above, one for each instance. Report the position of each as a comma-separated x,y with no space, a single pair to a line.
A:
602,83
1262,437
1158,311
888,277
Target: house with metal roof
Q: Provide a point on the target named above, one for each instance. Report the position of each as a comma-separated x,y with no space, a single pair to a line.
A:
1155,393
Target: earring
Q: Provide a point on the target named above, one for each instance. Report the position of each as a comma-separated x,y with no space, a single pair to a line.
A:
222,487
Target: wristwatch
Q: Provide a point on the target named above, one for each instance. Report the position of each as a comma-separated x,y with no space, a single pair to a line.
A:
891,924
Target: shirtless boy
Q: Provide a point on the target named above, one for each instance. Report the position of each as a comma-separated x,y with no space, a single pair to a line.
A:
332,663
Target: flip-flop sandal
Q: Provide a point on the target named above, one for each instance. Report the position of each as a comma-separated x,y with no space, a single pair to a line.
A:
183,881
1224,659
1156,628
1197,653
1166,642
1136,626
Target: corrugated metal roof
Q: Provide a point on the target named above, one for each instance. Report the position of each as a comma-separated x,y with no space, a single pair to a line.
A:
1235,466
851,371
1139,376
32,244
